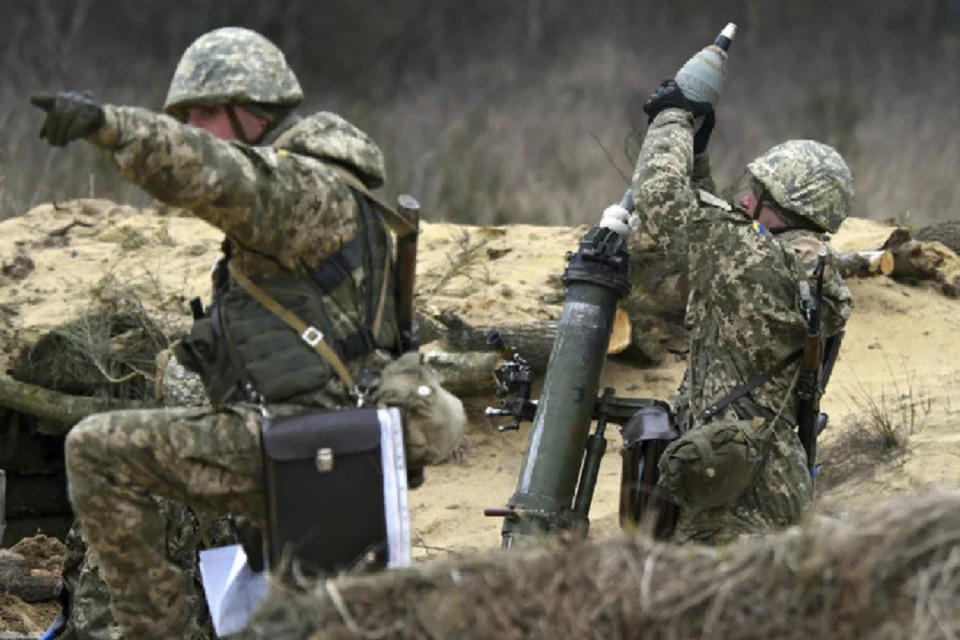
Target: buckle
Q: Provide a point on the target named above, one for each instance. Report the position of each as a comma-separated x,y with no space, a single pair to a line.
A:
312,336
324,459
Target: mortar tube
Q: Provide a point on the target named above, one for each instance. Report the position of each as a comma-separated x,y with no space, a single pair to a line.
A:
596,279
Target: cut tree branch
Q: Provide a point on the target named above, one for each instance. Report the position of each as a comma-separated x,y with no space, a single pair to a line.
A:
62,409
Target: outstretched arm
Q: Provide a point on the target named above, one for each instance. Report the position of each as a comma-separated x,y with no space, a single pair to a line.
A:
284,205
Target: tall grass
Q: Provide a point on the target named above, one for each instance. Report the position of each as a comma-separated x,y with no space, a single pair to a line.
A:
514,137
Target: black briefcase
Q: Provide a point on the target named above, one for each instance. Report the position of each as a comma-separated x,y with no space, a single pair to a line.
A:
324,490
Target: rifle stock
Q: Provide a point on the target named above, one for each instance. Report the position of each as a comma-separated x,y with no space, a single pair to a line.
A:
409,209
808,389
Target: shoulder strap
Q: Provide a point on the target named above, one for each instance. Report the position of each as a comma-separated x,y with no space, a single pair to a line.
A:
741,390
400,225
311,335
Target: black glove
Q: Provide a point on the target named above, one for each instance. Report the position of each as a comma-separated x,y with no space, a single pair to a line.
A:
70,116
669,96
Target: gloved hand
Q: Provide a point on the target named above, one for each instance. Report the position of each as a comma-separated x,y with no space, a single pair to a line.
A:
669,96
70,116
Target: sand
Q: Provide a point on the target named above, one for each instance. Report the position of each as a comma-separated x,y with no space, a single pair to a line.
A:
900,359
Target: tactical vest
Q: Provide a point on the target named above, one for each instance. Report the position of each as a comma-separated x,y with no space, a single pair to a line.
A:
240,341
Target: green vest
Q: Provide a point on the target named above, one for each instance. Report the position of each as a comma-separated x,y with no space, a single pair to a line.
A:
240,341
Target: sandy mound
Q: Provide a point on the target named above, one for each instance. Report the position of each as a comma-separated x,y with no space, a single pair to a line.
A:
41,552
894,379
899,355
44,558
17,616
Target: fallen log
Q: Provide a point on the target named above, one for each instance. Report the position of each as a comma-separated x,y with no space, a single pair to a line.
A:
18,579
465,374
534,340
62,409
890,573
863,264
925,260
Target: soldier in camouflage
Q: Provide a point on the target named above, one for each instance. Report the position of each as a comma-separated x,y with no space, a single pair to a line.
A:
292,196
745,263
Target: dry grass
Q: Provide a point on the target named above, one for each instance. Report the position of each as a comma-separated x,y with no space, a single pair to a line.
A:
892,573
509,138
109,349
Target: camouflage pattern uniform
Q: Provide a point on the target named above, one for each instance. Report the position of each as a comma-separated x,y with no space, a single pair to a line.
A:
285,211
91,616
742,312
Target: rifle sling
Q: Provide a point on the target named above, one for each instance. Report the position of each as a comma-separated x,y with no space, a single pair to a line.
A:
743,389
399,224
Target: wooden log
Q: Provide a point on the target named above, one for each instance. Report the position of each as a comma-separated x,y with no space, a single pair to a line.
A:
915,260
17,578
533,341
863,264
622,335
63,410
909,262
465,374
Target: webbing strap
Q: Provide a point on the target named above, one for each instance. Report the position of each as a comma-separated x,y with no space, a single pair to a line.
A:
400,225
743,389
311,335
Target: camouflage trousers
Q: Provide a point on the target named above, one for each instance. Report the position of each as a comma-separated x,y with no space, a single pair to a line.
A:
118,461
781,497
91,614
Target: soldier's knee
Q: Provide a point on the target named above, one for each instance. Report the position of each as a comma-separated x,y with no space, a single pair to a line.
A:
86,443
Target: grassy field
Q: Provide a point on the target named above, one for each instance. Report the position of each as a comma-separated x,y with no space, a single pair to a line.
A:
547,132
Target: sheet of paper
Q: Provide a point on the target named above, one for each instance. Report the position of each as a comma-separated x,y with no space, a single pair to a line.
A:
395,500
233,591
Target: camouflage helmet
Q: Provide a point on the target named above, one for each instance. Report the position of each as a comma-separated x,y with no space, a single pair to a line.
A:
807,178
232,65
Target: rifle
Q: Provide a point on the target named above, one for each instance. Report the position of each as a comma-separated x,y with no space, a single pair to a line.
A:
409,210
809,386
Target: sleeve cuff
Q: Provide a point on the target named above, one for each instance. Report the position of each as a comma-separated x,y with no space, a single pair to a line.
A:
108,135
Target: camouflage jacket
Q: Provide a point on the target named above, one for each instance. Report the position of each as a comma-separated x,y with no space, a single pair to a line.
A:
742,313
294,226
282,206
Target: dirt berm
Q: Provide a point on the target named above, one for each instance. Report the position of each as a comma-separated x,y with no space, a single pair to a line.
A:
103,287
892,574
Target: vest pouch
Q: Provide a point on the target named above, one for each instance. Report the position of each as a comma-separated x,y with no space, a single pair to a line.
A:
196,351
203,353
324,491
645,437
714,464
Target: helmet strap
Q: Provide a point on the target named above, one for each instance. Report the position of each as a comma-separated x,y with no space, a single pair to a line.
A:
758,198
239,132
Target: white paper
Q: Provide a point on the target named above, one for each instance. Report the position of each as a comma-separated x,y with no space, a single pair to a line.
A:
395,501
233,591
